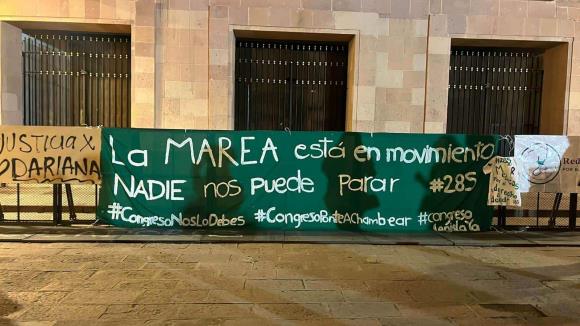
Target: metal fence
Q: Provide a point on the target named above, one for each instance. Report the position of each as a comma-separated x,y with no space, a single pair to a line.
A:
48,204
68,204
541,211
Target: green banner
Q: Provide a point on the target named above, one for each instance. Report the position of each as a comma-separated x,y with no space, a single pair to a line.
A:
295,180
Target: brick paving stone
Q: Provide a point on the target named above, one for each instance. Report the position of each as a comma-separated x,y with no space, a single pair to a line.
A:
512,310
122,312
205,258
436,310
125,264
161,238
164,296
198,322
218,310
109,275
102,297
561,307
9,310
174,274
395,295
137,285
169,265
325,237
339,321
273,284
33,298
246,296
88,322
248,322
418,238
363,309
510,321
415,321
312,296
552,238
13,237
440,291
335,285
486,239
63,311
292,310
273,237
75,238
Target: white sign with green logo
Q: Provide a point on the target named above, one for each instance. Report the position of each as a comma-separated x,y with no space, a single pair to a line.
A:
548,163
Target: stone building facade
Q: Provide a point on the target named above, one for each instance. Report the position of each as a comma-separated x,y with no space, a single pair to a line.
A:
399,53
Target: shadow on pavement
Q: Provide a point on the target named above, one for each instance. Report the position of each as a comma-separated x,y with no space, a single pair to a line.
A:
7,307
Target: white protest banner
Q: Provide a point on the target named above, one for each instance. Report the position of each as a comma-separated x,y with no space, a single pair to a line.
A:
548,163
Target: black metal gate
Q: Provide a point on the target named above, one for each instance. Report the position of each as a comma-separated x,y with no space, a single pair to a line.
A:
499,91
69,79
290,85
73,79
494,91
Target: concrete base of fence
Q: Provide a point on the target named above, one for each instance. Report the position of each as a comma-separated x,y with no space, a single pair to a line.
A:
10,233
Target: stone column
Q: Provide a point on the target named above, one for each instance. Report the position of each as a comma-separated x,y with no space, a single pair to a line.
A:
11,104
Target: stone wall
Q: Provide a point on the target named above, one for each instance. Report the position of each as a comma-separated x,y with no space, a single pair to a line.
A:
497,19
183,49
390,59
11,74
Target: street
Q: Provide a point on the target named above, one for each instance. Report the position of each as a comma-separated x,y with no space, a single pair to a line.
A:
305,284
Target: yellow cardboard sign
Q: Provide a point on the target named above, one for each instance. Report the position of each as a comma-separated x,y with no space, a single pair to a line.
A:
42,154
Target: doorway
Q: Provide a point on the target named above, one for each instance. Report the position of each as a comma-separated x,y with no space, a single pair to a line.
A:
494,91
76,79
290,85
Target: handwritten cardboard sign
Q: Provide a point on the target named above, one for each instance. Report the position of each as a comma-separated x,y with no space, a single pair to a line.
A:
295,181
503,185
41,154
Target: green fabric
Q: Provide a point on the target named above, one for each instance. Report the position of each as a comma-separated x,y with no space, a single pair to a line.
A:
312,203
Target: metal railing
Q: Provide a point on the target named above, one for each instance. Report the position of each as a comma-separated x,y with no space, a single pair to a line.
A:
541,211
48,204
76,204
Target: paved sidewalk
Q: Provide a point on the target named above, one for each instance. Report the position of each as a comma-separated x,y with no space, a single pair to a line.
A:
286,284
89,233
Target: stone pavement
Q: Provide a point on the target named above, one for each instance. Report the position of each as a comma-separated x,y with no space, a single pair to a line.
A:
100,283
90,233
